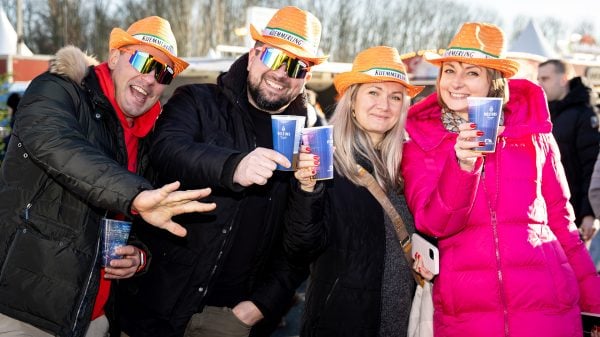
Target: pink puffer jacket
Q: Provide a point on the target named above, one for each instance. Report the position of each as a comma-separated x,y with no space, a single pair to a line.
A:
512,263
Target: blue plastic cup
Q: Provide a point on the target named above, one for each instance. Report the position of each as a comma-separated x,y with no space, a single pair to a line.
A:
286,137
486,112
115,233
320,141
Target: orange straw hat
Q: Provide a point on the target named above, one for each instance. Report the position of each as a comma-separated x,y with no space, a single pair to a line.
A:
481,44
376,64
295,31
152,31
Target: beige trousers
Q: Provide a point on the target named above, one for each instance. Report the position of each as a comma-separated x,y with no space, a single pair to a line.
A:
10,327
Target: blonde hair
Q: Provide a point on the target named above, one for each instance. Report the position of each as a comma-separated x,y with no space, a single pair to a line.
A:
352,142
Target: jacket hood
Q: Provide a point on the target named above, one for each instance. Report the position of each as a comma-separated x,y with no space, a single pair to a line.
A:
525,113
73,63
527,110
236,77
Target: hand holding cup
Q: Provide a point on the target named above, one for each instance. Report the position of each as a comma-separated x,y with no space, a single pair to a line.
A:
465,146
306,169
485,112
320,141
286,137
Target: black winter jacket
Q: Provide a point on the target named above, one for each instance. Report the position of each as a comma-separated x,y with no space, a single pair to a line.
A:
341,227
575,127
65,167
200,138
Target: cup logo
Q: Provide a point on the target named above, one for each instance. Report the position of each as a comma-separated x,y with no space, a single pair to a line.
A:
284,134
490,113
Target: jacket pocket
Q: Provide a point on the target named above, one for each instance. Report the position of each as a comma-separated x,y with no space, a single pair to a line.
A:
48,227
40,277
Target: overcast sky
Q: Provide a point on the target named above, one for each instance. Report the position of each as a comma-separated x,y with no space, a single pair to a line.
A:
569,11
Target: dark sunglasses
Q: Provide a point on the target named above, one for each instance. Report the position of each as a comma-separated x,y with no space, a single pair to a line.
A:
274,58
145,63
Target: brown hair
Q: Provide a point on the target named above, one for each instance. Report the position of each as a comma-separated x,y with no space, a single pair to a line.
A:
498,86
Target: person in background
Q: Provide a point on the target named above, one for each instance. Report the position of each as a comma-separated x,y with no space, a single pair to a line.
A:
315,115
12,102
511,259
575,127
361,283
76,155
229,277
594,197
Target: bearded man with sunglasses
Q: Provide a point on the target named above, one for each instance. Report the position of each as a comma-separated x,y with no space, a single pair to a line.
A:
77,154
229,277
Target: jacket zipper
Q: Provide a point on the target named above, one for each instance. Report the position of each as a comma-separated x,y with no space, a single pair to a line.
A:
89,280
492,205
213,270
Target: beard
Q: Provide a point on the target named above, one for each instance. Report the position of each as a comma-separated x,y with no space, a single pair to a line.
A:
263,102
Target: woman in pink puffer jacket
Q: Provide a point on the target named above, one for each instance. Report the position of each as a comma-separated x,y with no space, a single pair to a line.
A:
512,263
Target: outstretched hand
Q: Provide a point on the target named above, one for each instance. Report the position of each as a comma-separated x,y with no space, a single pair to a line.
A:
158,206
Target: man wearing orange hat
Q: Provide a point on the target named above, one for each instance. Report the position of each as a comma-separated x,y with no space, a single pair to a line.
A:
229,277
77,148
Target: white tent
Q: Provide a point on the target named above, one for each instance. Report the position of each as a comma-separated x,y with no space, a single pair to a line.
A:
8,38
532,41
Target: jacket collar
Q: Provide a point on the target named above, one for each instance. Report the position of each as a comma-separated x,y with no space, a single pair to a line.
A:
72,63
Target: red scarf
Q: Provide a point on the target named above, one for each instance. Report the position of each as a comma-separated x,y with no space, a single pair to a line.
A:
140,128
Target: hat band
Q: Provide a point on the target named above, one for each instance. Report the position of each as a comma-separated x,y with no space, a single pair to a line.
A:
468,53
386,72
290,37
152,39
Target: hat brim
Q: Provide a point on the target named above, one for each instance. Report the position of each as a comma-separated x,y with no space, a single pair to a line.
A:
344,80
287,46
507,67
120,38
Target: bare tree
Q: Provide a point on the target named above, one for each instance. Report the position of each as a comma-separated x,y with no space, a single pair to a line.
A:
98,31
585,27
553,29
54,24
200,25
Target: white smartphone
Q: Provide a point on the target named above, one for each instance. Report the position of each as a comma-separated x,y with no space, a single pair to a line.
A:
429,252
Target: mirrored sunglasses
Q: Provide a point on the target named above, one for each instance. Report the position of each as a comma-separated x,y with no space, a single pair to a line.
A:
145,63
274,58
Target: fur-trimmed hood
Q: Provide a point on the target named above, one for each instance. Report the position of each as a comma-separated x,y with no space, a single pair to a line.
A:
72,62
